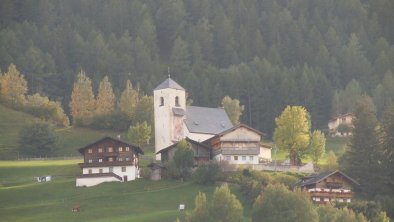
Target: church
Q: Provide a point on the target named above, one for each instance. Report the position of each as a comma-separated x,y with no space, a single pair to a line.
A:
210,127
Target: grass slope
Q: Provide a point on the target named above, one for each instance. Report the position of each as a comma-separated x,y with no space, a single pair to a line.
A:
24,199
68,139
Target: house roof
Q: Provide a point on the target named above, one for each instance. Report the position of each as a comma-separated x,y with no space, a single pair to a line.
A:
319,177
235,128
239,126
178,111
135,147
188,140
341,116
207,120
169,84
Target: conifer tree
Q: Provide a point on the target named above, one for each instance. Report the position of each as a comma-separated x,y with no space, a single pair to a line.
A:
13,86
105,102
82,102
201,210
225,206
362,159
278,203
128,100
387,139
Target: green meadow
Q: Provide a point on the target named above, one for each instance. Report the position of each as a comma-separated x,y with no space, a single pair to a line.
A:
22,198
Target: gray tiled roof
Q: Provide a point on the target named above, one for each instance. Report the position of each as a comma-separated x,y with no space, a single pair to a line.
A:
169,83
317,178
206,120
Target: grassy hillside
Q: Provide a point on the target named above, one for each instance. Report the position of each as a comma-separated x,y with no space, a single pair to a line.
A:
11,122
24,199
68,139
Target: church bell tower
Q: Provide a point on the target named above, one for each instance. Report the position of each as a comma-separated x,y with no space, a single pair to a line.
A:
169,112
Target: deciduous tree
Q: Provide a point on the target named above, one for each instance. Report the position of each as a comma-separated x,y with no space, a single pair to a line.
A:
128,100
292,132
139,133
13,86
232,108
105,103
82,102
317,145
37,139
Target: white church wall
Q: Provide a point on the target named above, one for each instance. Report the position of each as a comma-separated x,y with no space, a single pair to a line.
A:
164,117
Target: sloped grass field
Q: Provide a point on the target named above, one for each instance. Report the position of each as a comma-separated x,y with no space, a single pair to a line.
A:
24,199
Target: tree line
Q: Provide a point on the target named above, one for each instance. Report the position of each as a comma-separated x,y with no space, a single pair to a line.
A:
266,54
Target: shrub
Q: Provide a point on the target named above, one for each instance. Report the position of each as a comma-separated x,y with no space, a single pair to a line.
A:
207,173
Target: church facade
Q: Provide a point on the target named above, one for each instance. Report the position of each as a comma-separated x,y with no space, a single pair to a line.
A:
174,121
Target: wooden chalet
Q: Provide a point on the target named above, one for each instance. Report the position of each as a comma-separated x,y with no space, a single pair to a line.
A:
108,160
202,152
333,186
239,145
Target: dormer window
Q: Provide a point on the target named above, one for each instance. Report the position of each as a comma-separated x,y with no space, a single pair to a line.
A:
161,101
177,101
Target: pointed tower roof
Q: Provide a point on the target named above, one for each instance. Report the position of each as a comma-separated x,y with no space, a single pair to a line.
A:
169,83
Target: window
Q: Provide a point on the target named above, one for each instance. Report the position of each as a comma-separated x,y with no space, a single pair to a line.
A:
177,101
123,169
127,148
100,170
228,158
161,101
110,149
127,158
100,160
251,158
100,150
111,169
243,157
120,149
90,151
235,157
90,160
110,159
90,171
120,159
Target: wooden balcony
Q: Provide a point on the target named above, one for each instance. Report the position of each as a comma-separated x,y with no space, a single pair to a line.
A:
324,195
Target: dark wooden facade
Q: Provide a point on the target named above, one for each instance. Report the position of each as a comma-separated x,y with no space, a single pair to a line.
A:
202,152
328,187
110,152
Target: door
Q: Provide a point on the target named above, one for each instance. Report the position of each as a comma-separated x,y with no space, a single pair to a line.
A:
124,178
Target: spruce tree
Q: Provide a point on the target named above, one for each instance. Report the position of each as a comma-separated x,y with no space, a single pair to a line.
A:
362,158
387,139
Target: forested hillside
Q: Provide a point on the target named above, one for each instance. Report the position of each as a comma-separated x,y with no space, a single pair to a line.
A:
321,54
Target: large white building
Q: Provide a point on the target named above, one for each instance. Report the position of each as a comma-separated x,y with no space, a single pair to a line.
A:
175,121
108,160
